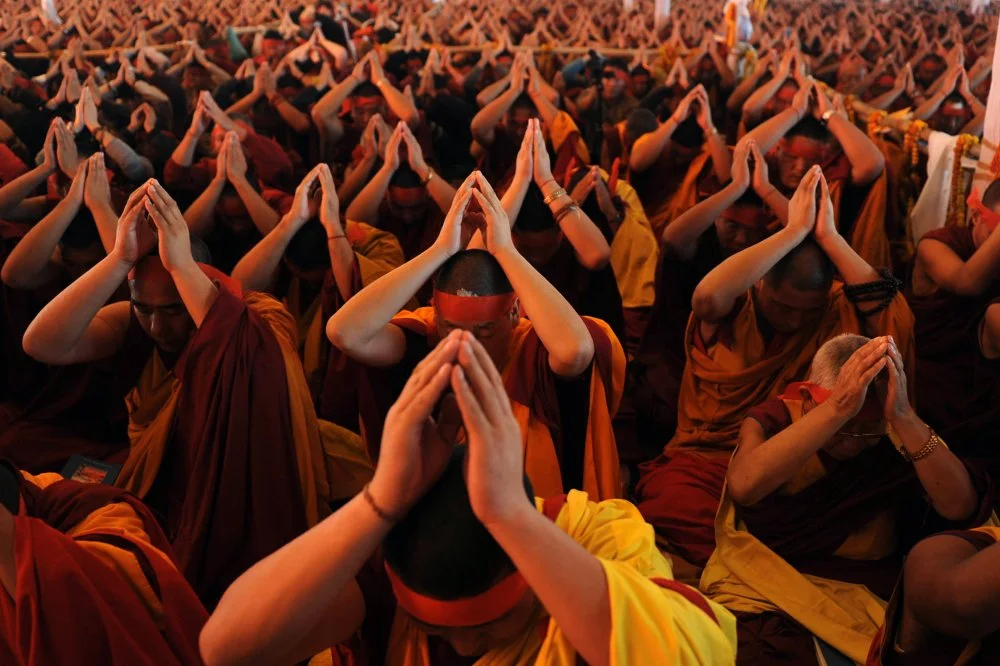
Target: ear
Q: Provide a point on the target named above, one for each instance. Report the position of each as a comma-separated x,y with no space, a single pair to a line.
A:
515,312
807,400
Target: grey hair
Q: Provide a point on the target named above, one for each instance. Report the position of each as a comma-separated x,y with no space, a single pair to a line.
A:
832,356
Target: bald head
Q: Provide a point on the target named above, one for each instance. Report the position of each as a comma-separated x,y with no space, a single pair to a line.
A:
472,273
805,268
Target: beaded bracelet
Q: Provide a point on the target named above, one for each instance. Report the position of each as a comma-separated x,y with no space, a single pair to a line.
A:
367,494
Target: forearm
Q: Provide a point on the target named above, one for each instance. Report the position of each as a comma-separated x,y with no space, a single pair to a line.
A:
200,215
264,217
559,327
355,181
722,159
755,103
777,202
929,108
943,476
274,605
682,235
716,294
768,133
183,154
363,317
492,91
257,270
852,268
329,105
887,99
867,162
196,290
298,121
513,198
342,260
137,169
547,111
647,148
760,471
106,221
61,324
150,93
742,93
485,122
441,192
30,257
14,192
245,104
365,207
569,581
400,104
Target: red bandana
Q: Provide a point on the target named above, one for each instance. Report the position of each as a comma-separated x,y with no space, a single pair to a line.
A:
473,308
988,217
474,611
870,411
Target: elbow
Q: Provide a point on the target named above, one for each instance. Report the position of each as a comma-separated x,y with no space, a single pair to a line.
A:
9,276
597,258
870,171
215,650
742,489
34,346
338,332
706,305
573,361
412,118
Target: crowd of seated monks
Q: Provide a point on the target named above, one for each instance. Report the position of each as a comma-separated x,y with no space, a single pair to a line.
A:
442,333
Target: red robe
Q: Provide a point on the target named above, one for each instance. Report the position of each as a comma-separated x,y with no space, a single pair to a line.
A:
72,607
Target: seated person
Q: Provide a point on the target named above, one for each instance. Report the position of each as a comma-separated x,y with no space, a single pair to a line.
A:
820,507
564,373
225,443
757,321
694,244
315,263
955,296
558,238
407,199
49,414
942,612
672,164
86,576
815,131
475,564
231,214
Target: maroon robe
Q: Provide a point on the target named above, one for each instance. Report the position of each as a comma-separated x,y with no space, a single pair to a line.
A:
72,608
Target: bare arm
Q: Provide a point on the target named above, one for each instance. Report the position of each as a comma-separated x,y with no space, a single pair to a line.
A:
200,215
258,268
867,162
264,217
365,206
356,179
949,272
485,122
681,236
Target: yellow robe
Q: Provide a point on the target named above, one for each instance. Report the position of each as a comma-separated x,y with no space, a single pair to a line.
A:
650,624
634,253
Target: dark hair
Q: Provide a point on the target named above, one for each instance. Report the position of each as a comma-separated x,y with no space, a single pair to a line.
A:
640,122
523,102
474,271
199,251
81,232
534,214
810,128
616,63
689,134
366,89
273,34
440,549
307,250
405,177
806,268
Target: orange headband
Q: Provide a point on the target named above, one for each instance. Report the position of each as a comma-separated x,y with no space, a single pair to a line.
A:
481,609
870,411
988,217
473,308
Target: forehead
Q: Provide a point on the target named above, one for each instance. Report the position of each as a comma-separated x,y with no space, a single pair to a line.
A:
154,292
785,294
802,146
407,197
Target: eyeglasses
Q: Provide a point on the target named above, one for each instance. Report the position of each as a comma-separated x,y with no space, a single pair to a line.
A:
862,435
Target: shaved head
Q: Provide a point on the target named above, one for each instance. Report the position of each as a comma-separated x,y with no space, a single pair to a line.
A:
805,268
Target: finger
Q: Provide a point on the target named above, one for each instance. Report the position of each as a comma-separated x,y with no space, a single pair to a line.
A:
421,402
445,353
473,416
487,189
872,372
485,204
135,198
163,195
159,220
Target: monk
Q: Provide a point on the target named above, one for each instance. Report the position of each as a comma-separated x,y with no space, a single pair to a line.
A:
672,165
756,322
821,505
406,199
955,296
87,576
369,92
815,130
560,240
231,214
563,373
49,414
740,215
315,263
476,566
943,611
499,127
224,439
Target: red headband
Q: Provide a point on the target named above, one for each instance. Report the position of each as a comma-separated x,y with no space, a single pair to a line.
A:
815,155
954,109
473,308
870,411
481,609
988,217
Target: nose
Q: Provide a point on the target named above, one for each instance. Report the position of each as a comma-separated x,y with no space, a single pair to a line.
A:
156,326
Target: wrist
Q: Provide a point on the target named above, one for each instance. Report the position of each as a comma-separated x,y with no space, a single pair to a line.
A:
507,519
184,268
910,429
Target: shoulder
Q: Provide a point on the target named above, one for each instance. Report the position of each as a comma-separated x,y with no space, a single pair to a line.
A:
773,416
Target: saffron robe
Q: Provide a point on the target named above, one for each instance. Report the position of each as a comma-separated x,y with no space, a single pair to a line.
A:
565,424
958,388
654,619
742,366
95,583
938,650
225,442
820,555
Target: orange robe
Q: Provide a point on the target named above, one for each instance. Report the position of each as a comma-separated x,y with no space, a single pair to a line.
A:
723,378
565,424
96,583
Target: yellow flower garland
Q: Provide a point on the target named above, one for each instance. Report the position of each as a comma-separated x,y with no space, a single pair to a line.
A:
875,123
956,205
